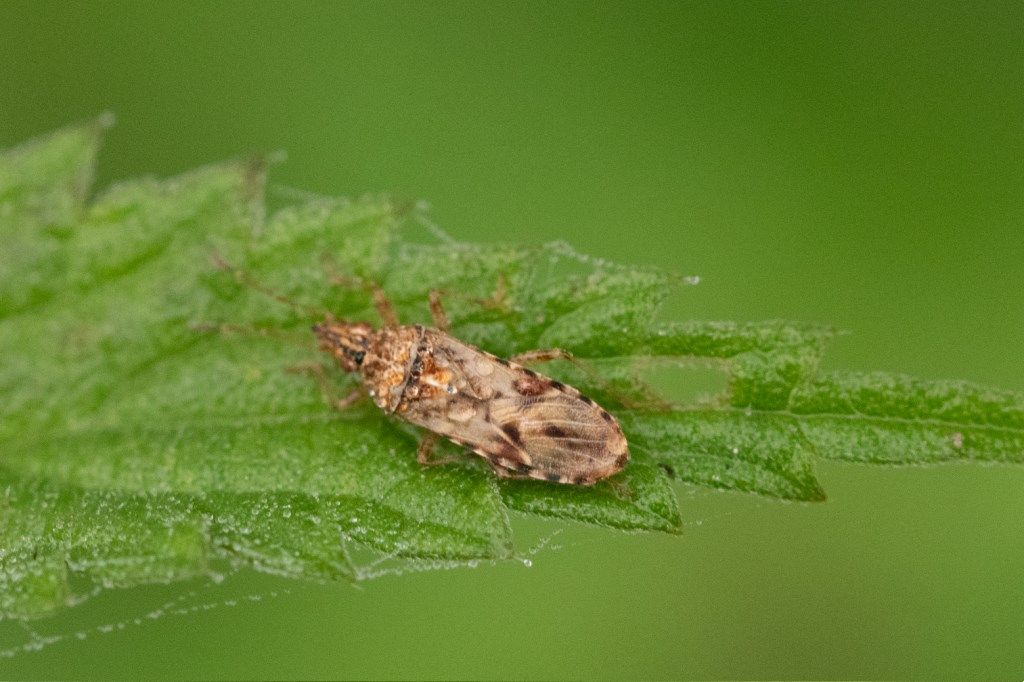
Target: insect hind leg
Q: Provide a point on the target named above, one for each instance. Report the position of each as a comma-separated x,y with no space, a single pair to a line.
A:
425,451
595,377
550,354
545,355
620,488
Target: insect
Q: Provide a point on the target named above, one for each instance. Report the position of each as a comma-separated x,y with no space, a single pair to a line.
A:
524,424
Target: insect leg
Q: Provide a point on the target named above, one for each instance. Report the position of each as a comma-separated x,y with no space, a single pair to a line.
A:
549,354
437,311
385,309
327,389
544,355
620,488
498,300
425,451
352,398
388,316
426,447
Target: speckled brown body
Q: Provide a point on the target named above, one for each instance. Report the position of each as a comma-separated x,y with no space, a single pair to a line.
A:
525,424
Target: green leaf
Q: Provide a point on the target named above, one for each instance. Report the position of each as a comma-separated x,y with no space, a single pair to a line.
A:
43,186
639,499
895,419
762,453
160,416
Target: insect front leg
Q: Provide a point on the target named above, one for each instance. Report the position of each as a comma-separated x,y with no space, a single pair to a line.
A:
437,311
352,398
385,309
327,388
496,301
381,302
499,299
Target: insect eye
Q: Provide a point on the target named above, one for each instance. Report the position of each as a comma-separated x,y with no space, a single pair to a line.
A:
358,357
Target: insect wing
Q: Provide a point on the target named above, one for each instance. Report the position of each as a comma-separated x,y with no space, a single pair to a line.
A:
521,421
566,438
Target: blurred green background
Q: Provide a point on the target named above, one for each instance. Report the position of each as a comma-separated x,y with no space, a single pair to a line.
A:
858,164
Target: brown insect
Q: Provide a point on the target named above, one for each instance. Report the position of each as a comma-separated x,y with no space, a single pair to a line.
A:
526,425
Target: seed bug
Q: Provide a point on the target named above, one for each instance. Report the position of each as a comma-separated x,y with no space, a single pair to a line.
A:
526,425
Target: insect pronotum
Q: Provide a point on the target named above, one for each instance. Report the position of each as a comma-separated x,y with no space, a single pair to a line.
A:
526,425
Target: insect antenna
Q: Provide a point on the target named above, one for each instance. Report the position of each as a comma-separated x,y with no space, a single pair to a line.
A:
247,279
251,330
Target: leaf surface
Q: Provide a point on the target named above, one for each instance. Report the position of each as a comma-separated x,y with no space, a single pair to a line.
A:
164,416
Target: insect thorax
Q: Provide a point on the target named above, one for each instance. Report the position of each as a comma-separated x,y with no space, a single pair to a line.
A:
390,363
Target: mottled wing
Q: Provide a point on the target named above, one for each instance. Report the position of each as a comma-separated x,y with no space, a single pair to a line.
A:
565,437
525,424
